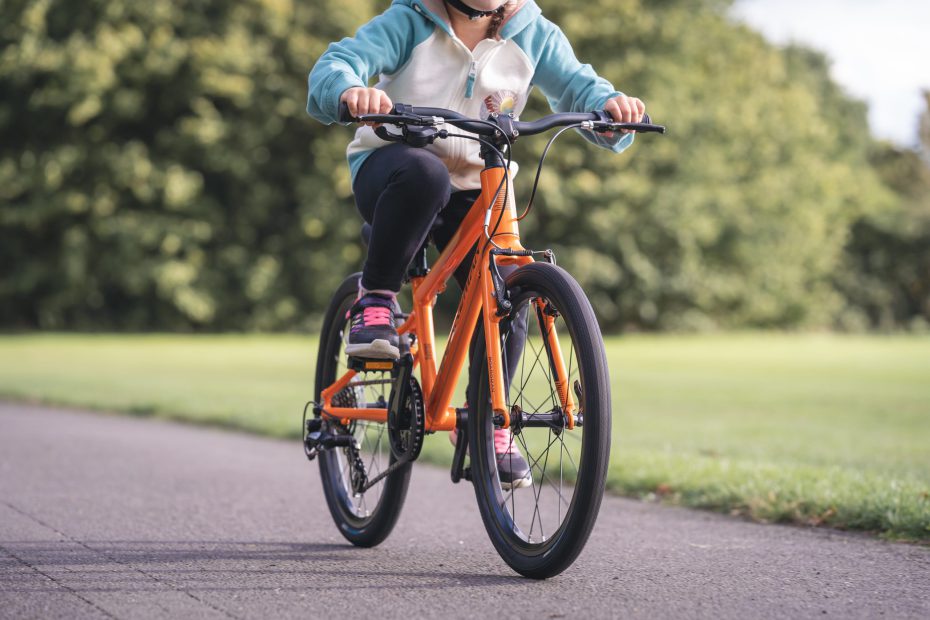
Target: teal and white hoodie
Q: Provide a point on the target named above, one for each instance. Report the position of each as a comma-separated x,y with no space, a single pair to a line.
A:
420,62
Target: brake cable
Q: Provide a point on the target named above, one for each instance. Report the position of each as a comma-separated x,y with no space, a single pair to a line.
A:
504,182
529,205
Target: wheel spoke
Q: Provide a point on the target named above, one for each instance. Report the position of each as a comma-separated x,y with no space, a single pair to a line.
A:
536,362
569,452
561,451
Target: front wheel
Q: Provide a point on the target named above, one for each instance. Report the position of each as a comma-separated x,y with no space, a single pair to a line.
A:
541,528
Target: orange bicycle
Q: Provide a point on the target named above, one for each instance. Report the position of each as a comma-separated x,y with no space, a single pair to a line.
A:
370,417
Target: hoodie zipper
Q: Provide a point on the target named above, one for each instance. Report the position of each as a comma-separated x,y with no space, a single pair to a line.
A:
470,82
472,67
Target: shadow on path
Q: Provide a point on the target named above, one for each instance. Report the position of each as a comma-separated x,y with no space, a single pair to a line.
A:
119,566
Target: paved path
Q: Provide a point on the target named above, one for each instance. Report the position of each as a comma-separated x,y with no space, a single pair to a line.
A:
108,516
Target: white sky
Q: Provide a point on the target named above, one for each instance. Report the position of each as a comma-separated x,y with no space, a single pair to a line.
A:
880,50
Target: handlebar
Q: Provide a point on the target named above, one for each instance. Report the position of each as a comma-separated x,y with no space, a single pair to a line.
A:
405,115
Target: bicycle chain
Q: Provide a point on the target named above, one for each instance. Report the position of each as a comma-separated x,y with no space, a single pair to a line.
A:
359,477
387,472
415,438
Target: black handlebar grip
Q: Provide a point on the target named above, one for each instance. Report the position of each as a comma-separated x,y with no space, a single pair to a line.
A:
344,115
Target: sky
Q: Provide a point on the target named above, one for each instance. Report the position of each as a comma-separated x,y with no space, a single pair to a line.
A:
880,50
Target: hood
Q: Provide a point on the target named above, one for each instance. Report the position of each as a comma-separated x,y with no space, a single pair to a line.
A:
517,15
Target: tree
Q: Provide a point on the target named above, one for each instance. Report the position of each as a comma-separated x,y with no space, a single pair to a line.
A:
739,215
885,276
157,170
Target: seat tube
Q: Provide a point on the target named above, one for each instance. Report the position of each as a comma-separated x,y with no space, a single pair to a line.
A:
426,352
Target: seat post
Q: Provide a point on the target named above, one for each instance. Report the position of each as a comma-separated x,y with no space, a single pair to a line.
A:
419,266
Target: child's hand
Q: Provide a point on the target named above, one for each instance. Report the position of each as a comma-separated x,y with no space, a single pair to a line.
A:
366,101
625,109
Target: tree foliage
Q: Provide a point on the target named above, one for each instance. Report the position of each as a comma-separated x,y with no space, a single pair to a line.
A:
885,274
157,169
739,215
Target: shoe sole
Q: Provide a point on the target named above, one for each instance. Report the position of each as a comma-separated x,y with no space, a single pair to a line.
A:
376,349
517,484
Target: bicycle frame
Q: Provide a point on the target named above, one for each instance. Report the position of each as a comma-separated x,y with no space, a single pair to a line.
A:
477,298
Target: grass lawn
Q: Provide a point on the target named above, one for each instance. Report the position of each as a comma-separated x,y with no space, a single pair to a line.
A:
816,429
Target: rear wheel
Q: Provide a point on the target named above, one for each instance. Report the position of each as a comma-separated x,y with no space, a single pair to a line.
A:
366,518
540,529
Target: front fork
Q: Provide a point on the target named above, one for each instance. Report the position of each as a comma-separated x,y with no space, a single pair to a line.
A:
544,315
498,299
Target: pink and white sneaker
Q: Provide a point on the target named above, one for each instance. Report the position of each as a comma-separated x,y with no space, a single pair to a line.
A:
372,333
512,469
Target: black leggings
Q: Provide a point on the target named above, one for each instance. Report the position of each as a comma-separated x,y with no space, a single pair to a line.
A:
401,191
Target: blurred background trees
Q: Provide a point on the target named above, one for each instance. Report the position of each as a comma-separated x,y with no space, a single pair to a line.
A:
885,273
158,171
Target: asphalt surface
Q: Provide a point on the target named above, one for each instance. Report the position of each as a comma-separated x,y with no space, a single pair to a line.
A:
117,517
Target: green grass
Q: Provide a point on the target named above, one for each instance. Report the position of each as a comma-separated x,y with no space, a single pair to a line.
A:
815,429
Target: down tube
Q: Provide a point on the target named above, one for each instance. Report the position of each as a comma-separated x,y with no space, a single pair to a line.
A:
453,360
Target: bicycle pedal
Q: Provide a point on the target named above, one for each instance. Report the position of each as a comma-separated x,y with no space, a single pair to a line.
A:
364,364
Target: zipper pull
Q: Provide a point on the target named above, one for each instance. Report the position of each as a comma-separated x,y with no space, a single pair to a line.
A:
470,84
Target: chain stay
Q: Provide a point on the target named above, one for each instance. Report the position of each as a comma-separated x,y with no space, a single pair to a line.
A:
406,400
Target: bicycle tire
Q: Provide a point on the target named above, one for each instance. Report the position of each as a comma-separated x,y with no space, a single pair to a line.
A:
549,555
359,524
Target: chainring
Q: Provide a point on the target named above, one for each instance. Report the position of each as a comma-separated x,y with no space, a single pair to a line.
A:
407,427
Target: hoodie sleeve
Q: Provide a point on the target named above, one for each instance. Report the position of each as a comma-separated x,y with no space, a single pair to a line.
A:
383,45
568,85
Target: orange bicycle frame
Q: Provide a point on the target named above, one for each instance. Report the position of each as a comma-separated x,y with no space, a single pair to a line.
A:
478,298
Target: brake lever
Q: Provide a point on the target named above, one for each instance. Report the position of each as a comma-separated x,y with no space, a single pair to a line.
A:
413,136
382,132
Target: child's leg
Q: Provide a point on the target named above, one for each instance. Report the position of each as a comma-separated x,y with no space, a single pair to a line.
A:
399,191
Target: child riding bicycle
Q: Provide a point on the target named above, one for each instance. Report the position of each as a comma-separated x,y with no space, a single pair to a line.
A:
477,57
